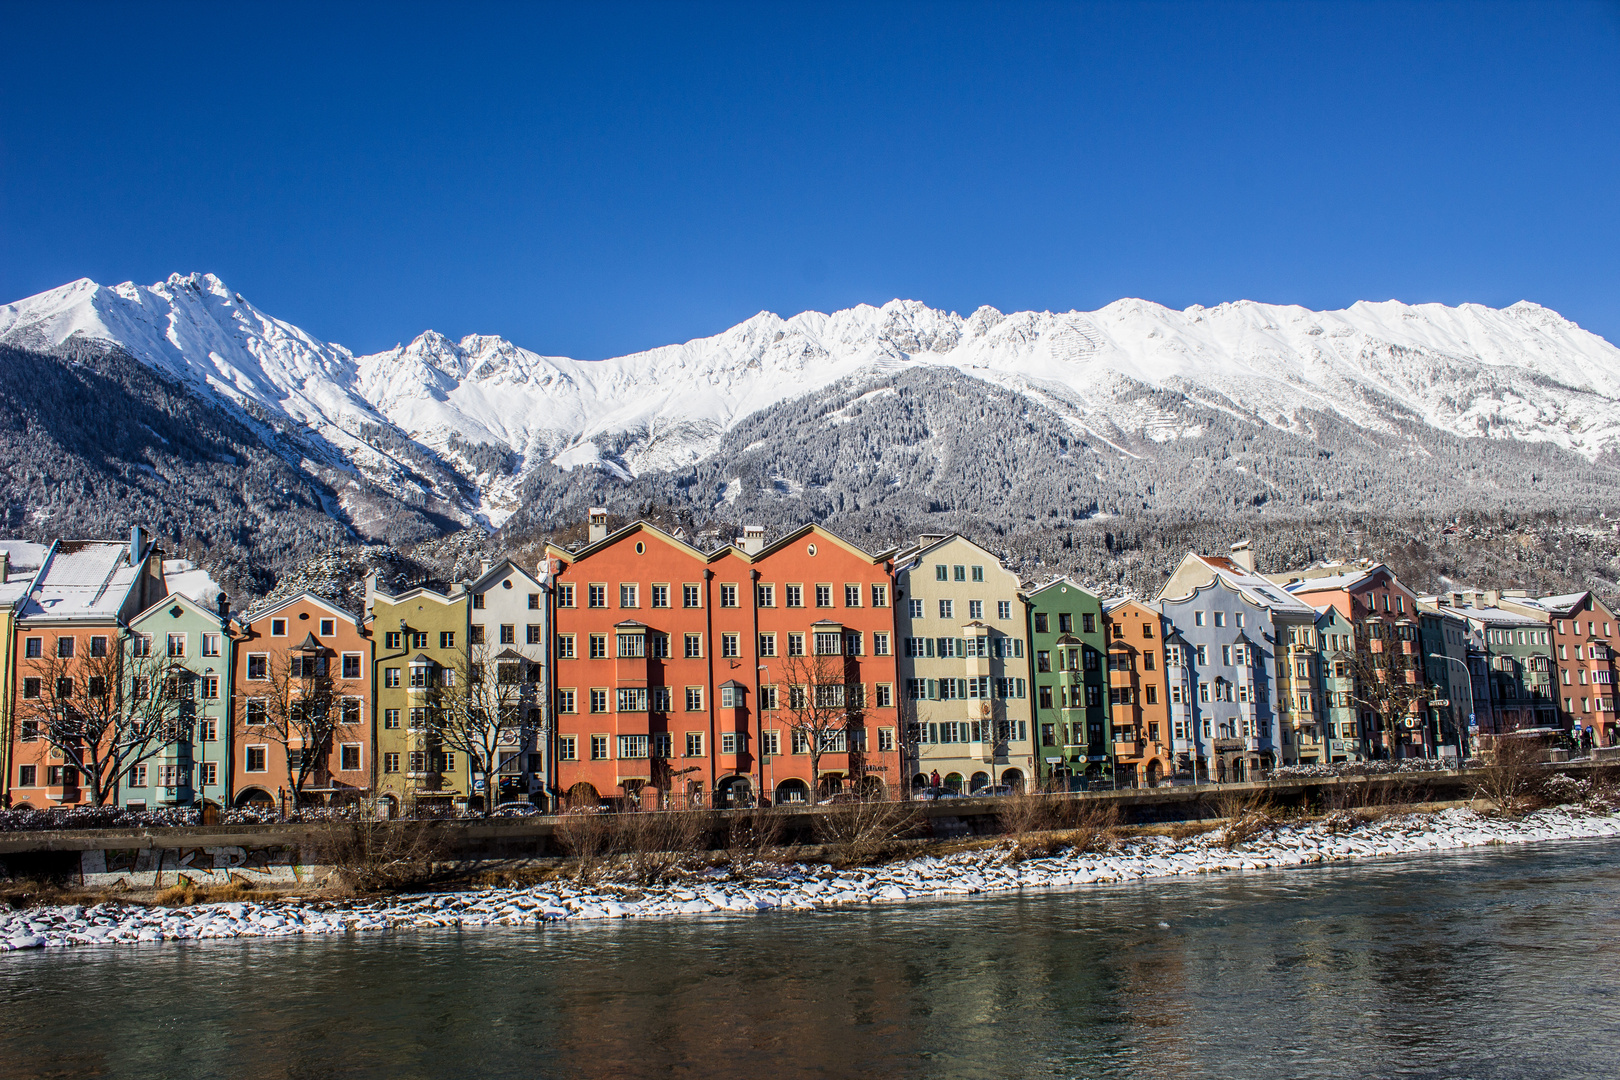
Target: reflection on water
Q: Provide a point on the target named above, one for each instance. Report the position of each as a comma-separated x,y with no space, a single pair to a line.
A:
1496,963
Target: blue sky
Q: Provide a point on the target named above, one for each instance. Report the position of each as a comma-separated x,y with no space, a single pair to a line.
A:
594,179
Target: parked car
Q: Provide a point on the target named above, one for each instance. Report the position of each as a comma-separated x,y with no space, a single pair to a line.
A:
840,798
516,809
990,791
929,794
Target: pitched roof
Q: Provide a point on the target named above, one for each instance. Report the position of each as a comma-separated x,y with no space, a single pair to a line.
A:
1257,589
82,579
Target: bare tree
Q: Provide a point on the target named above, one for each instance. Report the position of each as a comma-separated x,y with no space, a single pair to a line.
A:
485,712
1388,683
295,705
101,725
821,711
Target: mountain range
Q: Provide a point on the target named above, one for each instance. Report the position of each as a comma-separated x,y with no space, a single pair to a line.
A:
882,419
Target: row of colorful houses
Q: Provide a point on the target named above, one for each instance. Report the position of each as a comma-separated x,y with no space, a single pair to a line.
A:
636,668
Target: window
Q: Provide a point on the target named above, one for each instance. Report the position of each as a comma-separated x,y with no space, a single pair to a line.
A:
941,573
824,596
958,573
770,743
351,665
565,646
98,645
256,759
662,745
1065,624
729,646
694,699
880,643
731,697
33,647
694,646
137,775
947,609
975,609
694,744
767,697
599,747
508,634
829,644
1088,624
598,646
633,746
795,596
731,743
728,596
1150,694
599,701
391,719
390,763
568,747
393,640
478,601
328,627
258,666
690,596
795,644
565,701
765,595
31,687
64,648
632,699
885,695
534,601
278,627
1041,624
628,596
210,687
565,595
210,731
475,634
852,596
1003,609
880,596
916,608
596,596
349,757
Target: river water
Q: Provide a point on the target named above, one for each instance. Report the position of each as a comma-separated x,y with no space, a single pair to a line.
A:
1500,962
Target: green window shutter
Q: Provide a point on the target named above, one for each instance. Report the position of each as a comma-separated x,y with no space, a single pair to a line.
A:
1020,687
929,647
933,689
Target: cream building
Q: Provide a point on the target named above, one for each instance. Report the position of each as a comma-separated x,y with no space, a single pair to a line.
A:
963,667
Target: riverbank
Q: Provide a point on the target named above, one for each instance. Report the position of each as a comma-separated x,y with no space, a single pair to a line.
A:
801,887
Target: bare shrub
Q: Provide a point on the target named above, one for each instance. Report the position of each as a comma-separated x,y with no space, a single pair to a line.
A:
588,837
1513,778
860,833
1247,816
1183,831
754,839
370,856
661,843
1093,825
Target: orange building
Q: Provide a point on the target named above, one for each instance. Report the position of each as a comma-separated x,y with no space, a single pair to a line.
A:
668,661
301,649
1138,695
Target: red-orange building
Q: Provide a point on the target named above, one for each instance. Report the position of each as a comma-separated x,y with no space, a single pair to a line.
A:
1138,695
301,646
668,660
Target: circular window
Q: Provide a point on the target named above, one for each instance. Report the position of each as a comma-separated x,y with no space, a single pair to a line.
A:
641,549
303,616
507,584
811,550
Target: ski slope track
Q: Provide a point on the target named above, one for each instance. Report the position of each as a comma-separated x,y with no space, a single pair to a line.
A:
493,412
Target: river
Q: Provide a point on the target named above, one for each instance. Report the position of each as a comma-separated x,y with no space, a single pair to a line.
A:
1500,962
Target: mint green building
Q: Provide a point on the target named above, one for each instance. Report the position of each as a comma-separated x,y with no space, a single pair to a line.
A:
1070,683
188,645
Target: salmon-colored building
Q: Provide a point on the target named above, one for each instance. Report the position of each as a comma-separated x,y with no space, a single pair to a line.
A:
1138,695
301,646
669,660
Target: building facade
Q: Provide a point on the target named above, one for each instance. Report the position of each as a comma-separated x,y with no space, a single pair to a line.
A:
1340,728
1138,693
1513,658
508,627
1067,650
1585,637
301,706
963,668
421,640
187,648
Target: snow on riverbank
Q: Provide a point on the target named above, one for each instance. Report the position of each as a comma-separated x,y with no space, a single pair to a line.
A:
799,887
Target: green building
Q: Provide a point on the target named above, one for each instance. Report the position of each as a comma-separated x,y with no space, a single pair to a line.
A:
188,647
1071,686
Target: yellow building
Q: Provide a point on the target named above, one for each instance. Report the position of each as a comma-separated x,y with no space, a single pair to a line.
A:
19,563
420,638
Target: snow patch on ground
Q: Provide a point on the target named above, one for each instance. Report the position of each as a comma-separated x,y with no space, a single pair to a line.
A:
800,887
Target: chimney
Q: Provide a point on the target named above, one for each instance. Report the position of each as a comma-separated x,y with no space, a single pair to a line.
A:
137,545
223,603
753,539
927,539
5,567
1456,599
1243,555
598,523
1492,598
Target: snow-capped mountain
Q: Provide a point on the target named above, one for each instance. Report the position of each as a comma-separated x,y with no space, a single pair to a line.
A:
495,413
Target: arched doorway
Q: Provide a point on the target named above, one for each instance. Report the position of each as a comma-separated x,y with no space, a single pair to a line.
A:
388,808
977,781
919,781
256,799
735,791
830,784
1013,779
872,789
583,795
1155,772
953,782
792,790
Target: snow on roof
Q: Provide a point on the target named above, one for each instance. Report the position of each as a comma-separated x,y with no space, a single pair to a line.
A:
82,579
1258,589
1563,602
1499,616
1324,584
182,576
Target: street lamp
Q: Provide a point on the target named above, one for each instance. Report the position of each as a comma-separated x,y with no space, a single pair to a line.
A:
1468,681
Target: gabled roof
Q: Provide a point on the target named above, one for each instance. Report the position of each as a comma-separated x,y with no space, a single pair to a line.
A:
632,529
918,550
177,599
309,644
498,570
510,654
813,529
1257,589
281,605
1068,581
82,580
421,660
